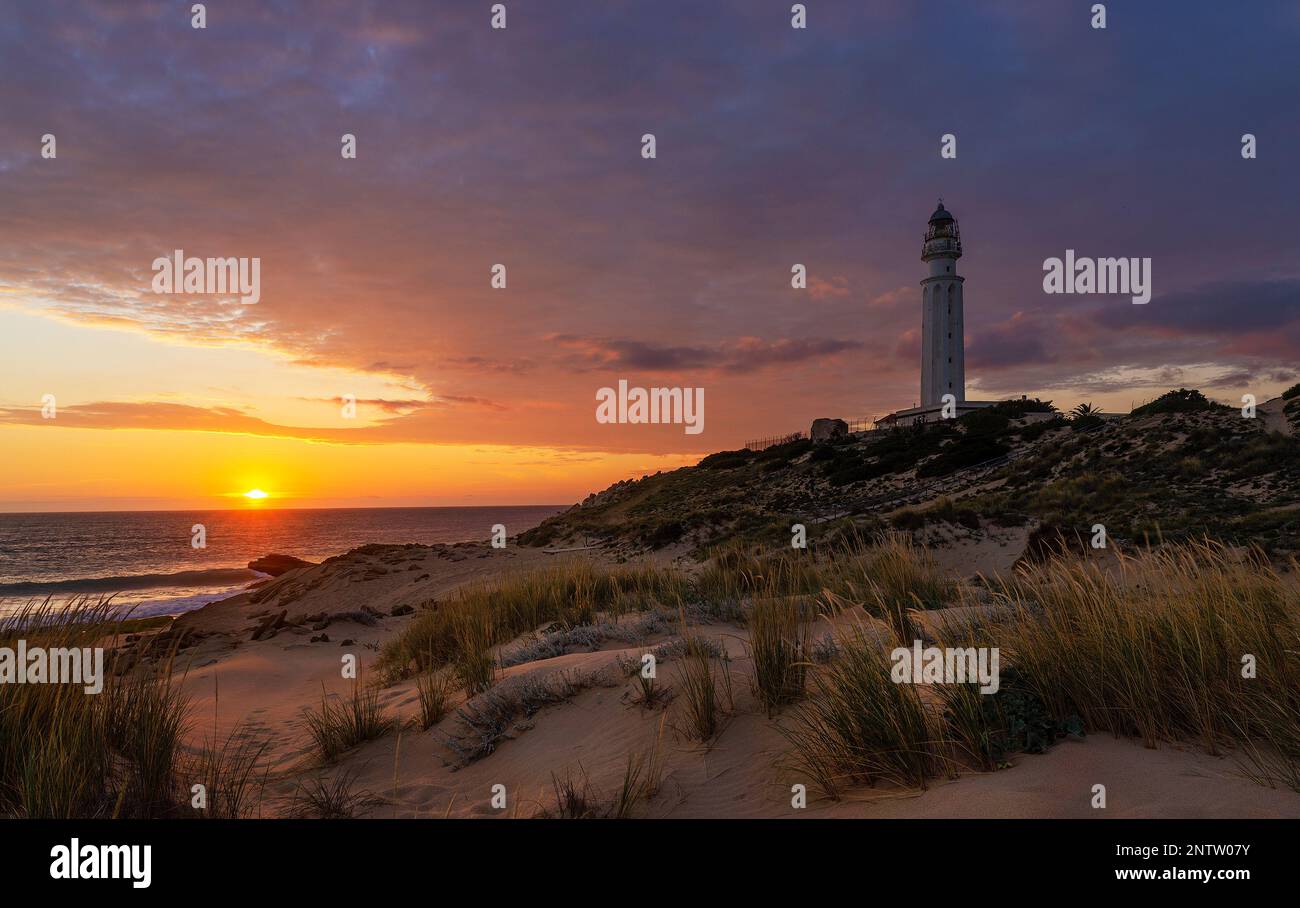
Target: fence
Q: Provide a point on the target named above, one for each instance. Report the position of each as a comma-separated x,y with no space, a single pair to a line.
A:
865,424
759,444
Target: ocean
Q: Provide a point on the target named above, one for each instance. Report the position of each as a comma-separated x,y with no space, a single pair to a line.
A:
146,559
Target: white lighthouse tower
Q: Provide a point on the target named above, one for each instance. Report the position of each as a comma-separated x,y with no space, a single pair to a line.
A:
943,329
943,348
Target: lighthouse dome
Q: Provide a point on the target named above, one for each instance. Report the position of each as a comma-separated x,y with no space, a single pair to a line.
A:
942,238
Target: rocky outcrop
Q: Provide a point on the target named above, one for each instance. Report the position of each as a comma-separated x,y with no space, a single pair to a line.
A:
824,430
275,565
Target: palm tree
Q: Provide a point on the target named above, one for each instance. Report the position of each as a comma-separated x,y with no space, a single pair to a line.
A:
1083,411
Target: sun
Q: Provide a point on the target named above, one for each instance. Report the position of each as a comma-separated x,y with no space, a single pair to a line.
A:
255,494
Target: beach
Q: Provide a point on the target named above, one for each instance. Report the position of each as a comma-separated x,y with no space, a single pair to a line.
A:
261,689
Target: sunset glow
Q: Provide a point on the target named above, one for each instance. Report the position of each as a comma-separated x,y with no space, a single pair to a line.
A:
378,364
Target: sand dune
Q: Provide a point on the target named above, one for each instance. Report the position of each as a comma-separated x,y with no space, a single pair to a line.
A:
263,687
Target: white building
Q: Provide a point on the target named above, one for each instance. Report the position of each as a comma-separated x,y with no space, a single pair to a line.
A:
943,341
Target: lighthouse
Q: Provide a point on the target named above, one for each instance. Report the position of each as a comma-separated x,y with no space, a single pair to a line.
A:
943,349
943,329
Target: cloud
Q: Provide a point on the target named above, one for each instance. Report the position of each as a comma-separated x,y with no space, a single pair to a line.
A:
1019,341
475,148
738,356
820,289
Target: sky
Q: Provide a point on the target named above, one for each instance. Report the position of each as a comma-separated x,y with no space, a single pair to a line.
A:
523,146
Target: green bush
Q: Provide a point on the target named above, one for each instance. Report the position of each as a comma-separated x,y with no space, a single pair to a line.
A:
961,454
988,422
727,460
1014,409
1180,401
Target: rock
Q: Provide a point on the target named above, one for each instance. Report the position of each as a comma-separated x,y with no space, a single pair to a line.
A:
824,430
269,625
275,565
348,642
321,638
399,610
321,625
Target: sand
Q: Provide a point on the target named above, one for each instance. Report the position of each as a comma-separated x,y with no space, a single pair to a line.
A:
262,687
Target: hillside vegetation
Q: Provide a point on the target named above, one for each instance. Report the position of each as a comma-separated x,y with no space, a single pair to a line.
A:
1179,467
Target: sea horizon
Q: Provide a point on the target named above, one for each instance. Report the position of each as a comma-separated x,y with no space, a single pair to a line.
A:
242,507
157,563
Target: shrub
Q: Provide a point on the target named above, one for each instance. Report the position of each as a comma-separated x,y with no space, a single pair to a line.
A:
988,421
966,452
1180,401
1015,409
727,460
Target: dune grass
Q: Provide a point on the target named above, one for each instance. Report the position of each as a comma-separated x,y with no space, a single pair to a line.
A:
474,665
780,648
66,753
487,614
227,769
1157,649
577,799
331,799
435,691
1150,648
858,727
706,697
338,727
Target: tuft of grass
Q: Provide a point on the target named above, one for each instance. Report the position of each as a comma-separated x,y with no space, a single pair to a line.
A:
574,798
1158,649
780,646
474,665
859,727
704,683
567,594
901,577
227,768
648,692
65,753
338,727
435,690
577,799
331,799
